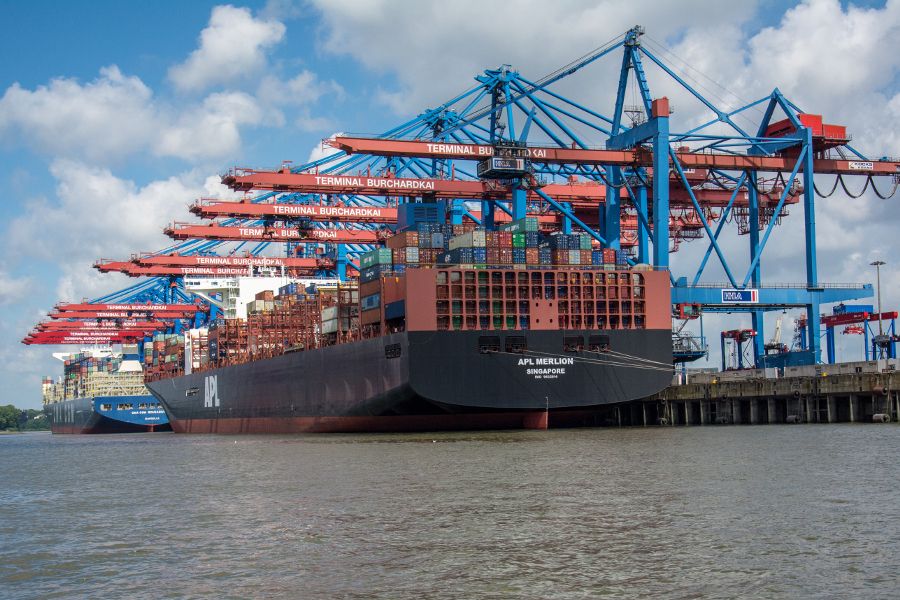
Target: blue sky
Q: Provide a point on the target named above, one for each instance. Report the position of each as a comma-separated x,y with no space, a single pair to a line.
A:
114,116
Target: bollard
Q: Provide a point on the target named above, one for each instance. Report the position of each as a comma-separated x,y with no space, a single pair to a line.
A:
881,418
795,419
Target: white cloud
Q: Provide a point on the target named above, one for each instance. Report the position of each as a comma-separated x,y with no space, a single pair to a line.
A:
13,289
211,129
296,96
109,116
434,53
116,116
232,47
82,283
822,49
283,9
322,150
21,368
304,88
828,58
98,215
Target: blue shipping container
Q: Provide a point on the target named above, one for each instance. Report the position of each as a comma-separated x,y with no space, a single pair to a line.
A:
395,310
370,302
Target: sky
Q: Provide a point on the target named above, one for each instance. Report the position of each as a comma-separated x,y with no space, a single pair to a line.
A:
115,116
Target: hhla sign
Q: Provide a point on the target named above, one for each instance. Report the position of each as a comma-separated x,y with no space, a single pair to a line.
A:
740,296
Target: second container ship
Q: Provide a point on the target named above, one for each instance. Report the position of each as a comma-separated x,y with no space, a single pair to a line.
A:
102,392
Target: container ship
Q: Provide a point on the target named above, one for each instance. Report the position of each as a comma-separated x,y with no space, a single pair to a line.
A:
102,392
447,327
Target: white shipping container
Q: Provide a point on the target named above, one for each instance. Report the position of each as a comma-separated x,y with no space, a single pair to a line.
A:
329,313
331,326
461,241
574,257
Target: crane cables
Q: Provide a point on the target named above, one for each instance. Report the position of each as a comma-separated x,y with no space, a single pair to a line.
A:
713,178
839,180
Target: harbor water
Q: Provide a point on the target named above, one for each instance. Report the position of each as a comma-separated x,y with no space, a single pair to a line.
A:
692,512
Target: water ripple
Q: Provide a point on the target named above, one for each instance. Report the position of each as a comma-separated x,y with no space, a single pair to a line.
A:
739,512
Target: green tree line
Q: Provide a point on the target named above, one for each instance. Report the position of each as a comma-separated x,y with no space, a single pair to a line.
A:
17,419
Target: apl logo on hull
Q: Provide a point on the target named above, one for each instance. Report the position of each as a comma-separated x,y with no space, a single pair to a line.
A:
211,391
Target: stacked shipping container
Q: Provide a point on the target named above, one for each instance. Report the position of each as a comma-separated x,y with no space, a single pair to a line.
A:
289,321
474,279
86,374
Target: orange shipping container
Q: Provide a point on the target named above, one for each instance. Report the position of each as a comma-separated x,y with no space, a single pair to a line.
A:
403,239
394,289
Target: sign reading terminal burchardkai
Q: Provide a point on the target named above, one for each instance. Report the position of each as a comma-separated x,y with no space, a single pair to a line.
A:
476,151
387,183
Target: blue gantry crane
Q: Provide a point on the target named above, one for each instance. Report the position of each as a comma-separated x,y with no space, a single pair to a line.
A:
632,177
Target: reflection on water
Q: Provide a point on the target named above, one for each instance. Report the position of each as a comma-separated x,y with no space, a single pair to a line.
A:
773,511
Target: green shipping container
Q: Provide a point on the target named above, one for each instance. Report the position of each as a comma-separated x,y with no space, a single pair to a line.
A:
380,256
522,225
585,242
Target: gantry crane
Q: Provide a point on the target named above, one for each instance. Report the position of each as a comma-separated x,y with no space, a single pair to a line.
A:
630,177
736,338
127,316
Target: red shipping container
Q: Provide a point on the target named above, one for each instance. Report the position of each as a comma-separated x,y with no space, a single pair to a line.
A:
505,239
403,239
560,257
493,256
834,132
585,257
369,288
532,256
609,256
394,289
505,256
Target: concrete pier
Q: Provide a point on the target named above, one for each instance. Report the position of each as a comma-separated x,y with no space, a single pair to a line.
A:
841,398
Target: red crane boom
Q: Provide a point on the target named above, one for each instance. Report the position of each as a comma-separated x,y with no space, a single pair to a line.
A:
285,181
637,158
187,231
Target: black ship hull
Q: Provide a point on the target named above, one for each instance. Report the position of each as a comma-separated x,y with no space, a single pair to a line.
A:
423,381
